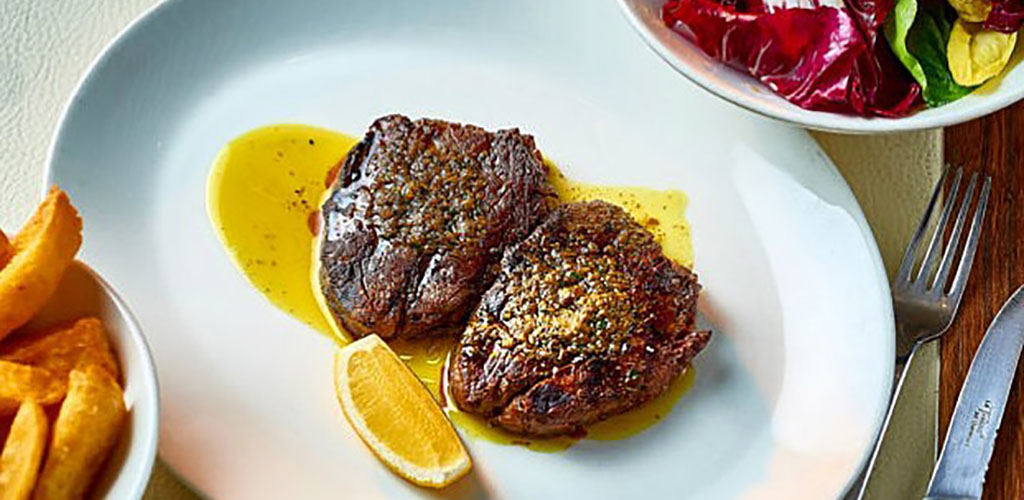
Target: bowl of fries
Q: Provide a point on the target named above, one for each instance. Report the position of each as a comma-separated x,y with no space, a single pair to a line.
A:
79,408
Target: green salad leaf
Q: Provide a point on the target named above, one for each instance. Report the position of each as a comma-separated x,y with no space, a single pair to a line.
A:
897,27
918,34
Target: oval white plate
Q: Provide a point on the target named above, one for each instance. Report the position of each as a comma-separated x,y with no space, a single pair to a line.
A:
787,397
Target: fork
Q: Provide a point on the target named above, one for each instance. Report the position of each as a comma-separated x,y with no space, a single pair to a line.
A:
923,304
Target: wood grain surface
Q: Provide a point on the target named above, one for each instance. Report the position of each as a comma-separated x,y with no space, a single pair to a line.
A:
995,145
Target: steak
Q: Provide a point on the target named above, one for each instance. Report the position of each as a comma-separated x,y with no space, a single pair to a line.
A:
586,319
418,219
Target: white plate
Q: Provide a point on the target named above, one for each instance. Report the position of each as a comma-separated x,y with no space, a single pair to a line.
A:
787,398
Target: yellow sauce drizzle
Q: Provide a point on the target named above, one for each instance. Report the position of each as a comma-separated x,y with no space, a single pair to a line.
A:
262,190
663,213
636,421
265,189
426,357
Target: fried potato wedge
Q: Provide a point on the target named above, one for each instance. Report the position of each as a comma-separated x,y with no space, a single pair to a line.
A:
64,348
5,427
43,249
19,383
23,452
6,250
87,428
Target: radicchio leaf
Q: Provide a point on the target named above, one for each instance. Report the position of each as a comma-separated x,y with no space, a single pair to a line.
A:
1007,16
822,58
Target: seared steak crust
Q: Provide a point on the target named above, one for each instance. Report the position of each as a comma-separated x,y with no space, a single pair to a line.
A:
418,219
586,319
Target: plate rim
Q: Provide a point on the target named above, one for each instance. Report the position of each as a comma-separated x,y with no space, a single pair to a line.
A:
151,15
123,304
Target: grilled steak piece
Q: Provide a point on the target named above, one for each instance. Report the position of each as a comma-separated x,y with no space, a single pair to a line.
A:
418,219
587,319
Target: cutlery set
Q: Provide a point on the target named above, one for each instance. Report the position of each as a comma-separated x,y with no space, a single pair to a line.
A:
925,300
970,440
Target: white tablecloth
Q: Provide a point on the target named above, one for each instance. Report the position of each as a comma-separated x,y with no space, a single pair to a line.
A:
48,44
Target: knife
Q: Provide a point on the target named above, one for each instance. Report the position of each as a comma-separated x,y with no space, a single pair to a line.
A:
960,473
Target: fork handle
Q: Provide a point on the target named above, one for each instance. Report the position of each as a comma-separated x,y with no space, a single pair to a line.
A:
900,369
901,366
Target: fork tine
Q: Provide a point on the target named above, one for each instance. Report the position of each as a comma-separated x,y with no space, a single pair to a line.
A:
931,255
967,258
939,284
907,264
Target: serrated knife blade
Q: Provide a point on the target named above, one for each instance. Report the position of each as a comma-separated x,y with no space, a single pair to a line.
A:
960,472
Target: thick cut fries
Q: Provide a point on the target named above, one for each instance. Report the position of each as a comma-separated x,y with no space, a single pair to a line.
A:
19,383
5,427
23,452
86,430
6,250
62,349
42,252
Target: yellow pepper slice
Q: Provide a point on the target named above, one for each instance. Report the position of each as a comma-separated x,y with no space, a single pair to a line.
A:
974,11
976,54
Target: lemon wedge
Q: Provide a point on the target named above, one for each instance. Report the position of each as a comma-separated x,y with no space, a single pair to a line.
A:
394,414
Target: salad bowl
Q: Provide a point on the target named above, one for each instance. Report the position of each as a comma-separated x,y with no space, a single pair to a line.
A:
747,92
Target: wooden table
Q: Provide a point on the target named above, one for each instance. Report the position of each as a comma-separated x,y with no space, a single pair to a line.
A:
994,145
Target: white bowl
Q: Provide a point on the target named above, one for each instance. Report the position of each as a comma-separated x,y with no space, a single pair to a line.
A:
83,293
746,92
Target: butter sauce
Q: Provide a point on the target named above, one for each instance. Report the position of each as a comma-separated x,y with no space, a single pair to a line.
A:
261,191
263,197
